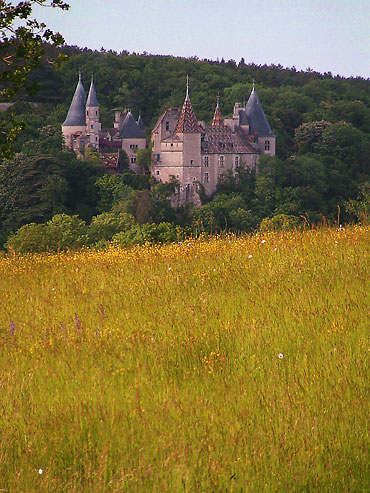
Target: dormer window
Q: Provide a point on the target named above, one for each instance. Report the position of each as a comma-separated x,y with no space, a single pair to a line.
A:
267,145
167,126
222,161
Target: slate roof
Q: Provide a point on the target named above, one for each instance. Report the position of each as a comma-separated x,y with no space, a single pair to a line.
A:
141,127
256,117
130,130
92,100
76,114
221,140
243,119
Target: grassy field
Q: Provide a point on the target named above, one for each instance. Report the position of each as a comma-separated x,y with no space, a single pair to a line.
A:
228,364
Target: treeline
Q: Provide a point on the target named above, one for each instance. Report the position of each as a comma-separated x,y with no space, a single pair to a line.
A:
321,169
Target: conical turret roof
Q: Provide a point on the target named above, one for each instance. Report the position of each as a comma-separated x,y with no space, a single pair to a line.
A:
188,122
92,100
257,120
140,125
217,117
130,130
76,113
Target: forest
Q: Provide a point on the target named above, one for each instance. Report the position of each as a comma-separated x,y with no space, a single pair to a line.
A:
51,200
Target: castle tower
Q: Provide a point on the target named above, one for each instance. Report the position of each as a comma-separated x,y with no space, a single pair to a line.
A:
217,117
189,133
259,126
75,121
93,126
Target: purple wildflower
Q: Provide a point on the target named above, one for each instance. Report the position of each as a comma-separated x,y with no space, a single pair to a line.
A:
12,327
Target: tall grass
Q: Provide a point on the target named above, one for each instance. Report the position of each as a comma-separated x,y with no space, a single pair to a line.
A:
230,364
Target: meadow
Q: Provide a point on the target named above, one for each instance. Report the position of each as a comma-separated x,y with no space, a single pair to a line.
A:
219,364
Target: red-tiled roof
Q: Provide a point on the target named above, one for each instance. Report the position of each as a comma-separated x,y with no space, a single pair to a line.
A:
188,121
111,161
217,118
221,140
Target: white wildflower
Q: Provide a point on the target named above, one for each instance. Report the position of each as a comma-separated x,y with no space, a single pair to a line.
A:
40,471
281,356
263,241
169,268
250,256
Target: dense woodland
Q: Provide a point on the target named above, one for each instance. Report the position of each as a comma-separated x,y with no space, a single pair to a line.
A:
320,174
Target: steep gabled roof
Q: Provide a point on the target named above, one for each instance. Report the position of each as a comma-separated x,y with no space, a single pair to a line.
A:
92,100
76,114
257,120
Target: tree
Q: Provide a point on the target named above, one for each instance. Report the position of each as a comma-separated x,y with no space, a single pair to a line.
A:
21,50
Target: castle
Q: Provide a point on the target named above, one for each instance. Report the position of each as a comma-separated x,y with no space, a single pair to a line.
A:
193,154
82,129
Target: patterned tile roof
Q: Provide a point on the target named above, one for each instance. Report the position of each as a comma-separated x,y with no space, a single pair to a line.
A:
221,140
188,122
217,117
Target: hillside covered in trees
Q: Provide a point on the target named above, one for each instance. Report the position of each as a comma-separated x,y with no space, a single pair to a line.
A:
322,123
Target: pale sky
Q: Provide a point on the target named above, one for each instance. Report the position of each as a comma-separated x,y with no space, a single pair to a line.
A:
325,35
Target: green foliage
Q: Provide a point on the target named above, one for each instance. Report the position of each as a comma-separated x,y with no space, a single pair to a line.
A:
107,224
280,222
30,238
147,233
360,207
31,189
111,190
21,50
62,232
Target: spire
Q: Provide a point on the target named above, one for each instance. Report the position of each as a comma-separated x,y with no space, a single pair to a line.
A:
92,100
257,120
187,89
188,121
217,118
76,113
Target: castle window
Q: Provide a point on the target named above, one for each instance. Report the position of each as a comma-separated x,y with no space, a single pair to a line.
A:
191,161
158,157
92,126
87,113
222,177
96,113
236,161
267,145
133,159
206,177
171,144
222,161
206,163
157,172
133,146
167,126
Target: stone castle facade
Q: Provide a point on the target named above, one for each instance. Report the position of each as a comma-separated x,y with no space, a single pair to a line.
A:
190,152
82,129
195,154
